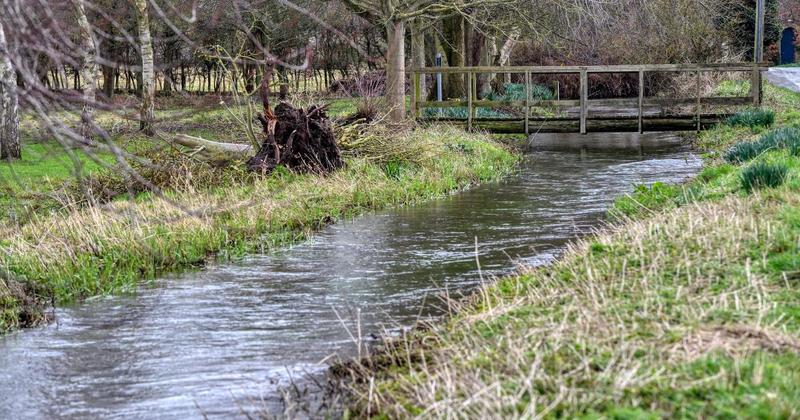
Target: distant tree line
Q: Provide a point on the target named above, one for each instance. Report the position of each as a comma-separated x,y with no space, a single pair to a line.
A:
99,48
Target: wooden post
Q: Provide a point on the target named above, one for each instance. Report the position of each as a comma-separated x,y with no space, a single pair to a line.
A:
584,100
755,86
699,96
758,50
474,78
527,102
641,101
469,101
418,94
414,94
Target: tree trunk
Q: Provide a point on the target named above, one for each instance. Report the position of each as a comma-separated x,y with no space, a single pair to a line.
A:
88,70
454,50
148,73
396,71
504,58
418,51
9,104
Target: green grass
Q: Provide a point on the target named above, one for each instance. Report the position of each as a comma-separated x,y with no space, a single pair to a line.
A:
752,118
100,250
30,185
733,88
686,307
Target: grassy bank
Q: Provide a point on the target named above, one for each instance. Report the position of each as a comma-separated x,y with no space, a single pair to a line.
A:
107,249
688,305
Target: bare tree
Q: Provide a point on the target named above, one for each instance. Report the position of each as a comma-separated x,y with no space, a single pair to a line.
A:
148,72
88,73
418,49
9,104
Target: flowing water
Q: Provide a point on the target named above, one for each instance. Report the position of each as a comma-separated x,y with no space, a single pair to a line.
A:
222,341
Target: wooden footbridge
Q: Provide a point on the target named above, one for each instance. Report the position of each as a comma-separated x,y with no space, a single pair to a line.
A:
585,114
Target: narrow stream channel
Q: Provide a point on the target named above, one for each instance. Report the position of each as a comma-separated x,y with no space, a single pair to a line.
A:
220,341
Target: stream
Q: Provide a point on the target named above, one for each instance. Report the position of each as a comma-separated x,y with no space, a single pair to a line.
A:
225,340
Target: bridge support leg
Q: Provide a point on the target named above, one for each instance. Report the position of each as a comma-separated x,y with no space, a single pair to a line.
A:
416,95
641,101
469,101
699,103
527,103
584,100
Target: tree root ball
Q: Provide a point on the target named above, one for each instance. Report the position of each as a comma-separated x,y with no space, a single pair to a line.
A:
299,139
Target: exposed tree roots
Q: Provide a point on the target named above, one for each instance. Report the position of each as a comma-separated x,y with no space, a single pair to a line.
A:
299,139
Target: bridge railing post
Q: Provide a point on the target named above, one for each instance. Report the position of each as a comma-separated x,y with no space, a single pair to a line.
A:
756,86
584,100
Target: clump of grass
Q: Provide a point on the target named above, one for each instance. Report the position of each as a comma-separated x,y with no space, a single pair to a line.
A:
763,175
781,138
743,152
644,199
754,117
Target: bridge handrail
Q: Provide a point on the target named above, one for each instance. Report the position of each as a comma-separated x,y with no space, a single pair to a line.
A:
472,101
621,68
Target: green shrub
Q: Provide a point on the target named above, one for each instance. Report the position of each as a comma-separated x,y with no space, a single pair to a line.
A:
755,117
461,113
511,92
763,175
516,92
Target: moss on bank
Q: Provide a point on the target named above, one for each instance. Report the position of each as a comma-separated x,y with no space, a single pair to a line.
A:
686,307
108,249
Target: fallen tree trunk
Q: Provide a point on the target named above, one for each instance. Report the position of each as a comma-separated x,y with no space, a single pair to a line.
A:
215,153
